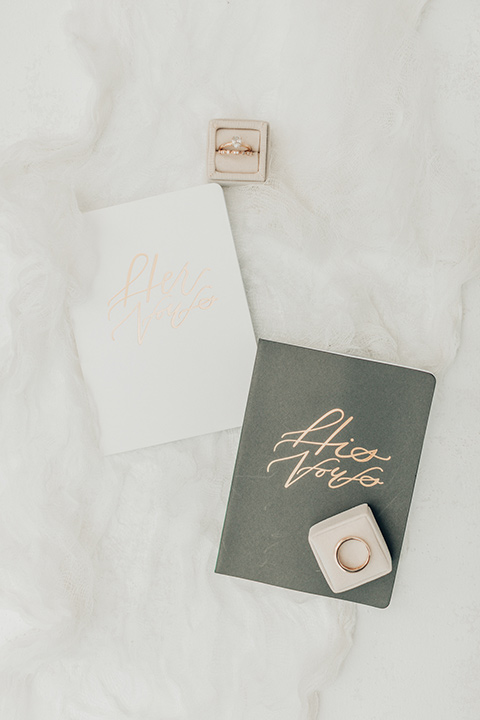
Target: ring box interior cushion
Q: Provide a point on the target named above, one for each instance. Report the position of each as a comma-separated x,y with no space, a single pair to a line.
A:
241,167
358,527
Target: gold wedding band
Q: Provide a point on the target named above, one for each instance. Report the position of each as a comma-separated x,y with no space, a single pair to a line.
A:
348,568
235,146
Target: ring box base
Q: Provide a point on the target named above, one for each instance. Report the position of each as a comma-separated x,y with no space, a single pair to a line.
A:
357,522
231,168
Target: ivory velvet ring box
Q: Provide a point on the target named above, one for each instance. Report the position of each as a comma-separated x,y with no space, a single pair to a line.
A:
350,549
237,151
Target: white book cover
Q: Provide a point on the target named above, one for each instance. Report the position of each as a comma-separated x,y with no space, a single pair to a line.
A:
164,336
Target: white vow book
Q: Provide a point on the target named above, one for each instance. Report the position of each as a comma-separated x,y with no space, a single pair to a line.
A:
164,337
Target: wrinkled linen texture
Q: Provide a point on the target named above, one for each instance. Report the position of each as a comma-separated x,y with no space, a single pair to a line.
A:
359,242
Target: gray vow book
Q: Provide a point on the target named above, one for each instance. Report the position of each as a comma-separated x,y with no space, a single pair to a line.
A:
322,433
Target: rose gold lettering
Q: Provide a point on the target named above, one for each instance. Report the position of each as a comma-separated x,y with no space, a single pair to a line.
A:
148,292
314,442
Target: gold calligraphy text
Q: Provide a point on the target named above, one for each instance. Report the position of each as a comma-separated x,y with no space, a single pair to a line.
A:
148,295
325,437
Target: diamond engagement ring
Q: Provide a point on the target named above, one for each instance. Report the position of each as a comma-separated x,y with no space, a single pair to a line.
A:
236,146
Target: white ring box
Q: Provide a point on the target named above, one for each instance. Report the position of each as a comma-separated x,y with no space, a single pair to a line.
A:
358,522
233,168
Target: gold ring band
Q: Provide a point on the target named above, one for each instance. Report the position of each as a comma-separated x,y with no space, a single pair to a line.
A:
235,146
348,568
235,152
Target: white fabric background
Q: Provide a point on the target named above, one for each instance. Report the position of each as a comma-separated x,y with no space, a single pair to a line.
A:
360,242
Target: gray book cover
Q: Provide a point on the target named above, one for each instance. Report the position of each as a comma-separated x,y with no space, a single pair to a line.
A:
322,433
